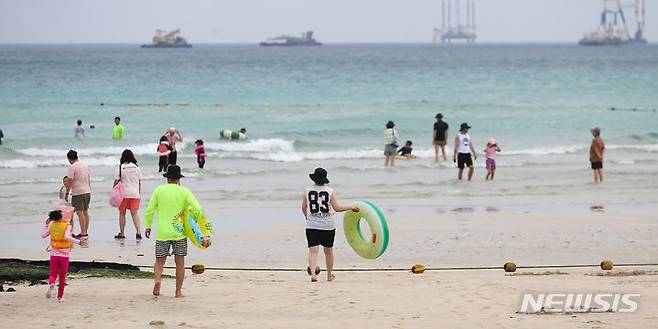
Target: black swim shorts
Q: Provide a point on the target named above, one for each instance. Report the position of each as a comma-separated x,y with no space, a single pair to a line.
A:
320,237
464,159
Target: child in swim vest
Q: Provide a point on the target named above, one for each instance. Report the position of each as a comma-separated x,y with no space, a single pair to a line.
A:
490,151
61,244
164,149
200,152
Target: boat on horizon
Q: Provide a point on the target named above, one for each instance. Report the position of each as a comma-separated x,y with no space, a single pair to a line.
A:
289,41
165,39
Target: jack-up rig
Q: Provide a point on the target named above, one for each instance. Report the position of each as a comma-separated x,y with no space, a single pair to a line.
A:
613,29
447,33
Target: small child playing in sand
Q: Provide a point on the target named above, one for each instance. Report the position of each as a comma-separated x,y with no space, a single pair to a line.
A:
164,149
490,151
200,152
61,244
319,206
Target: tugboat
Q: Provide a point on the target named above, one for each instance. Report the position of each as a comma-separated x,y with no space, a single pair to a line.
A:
289,41
613,29
164,39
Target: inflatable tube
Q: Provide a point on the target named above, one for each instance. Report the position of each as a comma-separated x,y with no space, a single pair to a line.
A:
232,135
376,244
197,228
405,157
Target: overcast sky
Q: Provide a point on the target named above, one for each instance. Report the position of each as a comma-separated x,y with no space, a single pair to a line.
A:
249,21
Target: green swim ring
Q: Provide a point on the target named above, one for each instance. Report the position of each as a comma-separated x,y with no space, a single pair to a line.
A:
375,245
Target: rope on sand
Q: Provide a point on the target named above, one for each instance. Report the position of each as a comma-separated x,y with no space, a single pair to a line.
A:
477,268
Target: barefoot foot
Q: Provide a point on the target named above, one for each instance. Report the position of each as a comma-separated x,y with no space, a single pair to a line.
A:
331,277
156,289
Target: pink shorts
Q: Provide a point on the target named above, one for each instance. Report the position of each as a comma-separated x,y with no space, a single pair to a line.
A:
129,203
491,164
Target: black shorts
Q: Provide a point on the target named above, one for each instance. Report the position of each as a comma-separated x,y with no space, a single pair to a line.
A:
464,159
597,165
320,237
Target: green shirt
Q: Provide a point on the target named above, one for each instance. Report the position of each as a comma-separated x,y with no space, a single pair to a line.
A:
168,203
117,132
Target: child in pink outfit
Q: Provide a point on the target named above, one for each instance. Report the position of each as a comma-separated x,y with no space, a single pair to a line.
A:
490,151
61,244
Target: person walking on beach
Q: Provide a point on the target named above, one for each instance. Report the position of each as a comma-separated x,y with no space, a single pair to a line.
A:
61,244
79,131
463,150
173,136
596,151
130,176
440,137
319,206
490,151
117,131
169,202
78,173
164,150
391,143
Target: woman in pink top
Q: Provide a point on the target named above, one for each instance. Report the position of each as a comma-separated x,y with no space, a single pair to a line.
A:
490,151
61,244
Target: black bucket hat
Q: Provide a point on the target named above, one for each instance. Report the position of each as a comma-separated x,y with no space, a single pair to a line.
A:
319,176
390,124
173,172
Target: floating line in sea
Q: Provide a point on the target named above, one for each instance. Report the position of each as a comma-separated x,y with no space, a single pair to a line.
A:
475,268
633,109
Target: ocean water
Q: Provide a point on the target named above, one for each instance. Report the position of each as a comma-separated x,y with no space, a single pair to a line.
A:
327,106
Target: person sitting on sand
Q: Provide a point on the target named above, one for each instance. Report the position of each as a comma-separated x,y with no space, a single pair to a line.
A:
318,206
61,244
406,150
462,152
490,151
596,151
169,202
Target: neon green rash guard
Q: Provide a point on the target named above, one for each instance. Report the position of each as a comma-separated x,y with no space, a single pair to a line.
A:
168,203
117,132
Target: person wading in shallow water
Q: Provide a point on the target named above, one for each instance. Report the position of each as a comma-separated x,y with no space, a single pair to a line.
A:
173,136
463,150
440,137
596,151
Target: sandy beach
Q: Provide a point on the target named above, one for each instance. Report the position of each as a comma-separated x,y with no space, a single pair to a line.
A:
484,299
466,237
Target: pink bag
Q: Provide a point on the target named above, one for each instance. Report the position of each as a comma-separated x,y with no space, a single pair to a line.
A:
116,196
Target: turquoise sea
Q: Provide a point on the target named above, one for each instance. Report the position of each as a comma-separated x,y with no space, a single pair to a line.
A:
327,105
